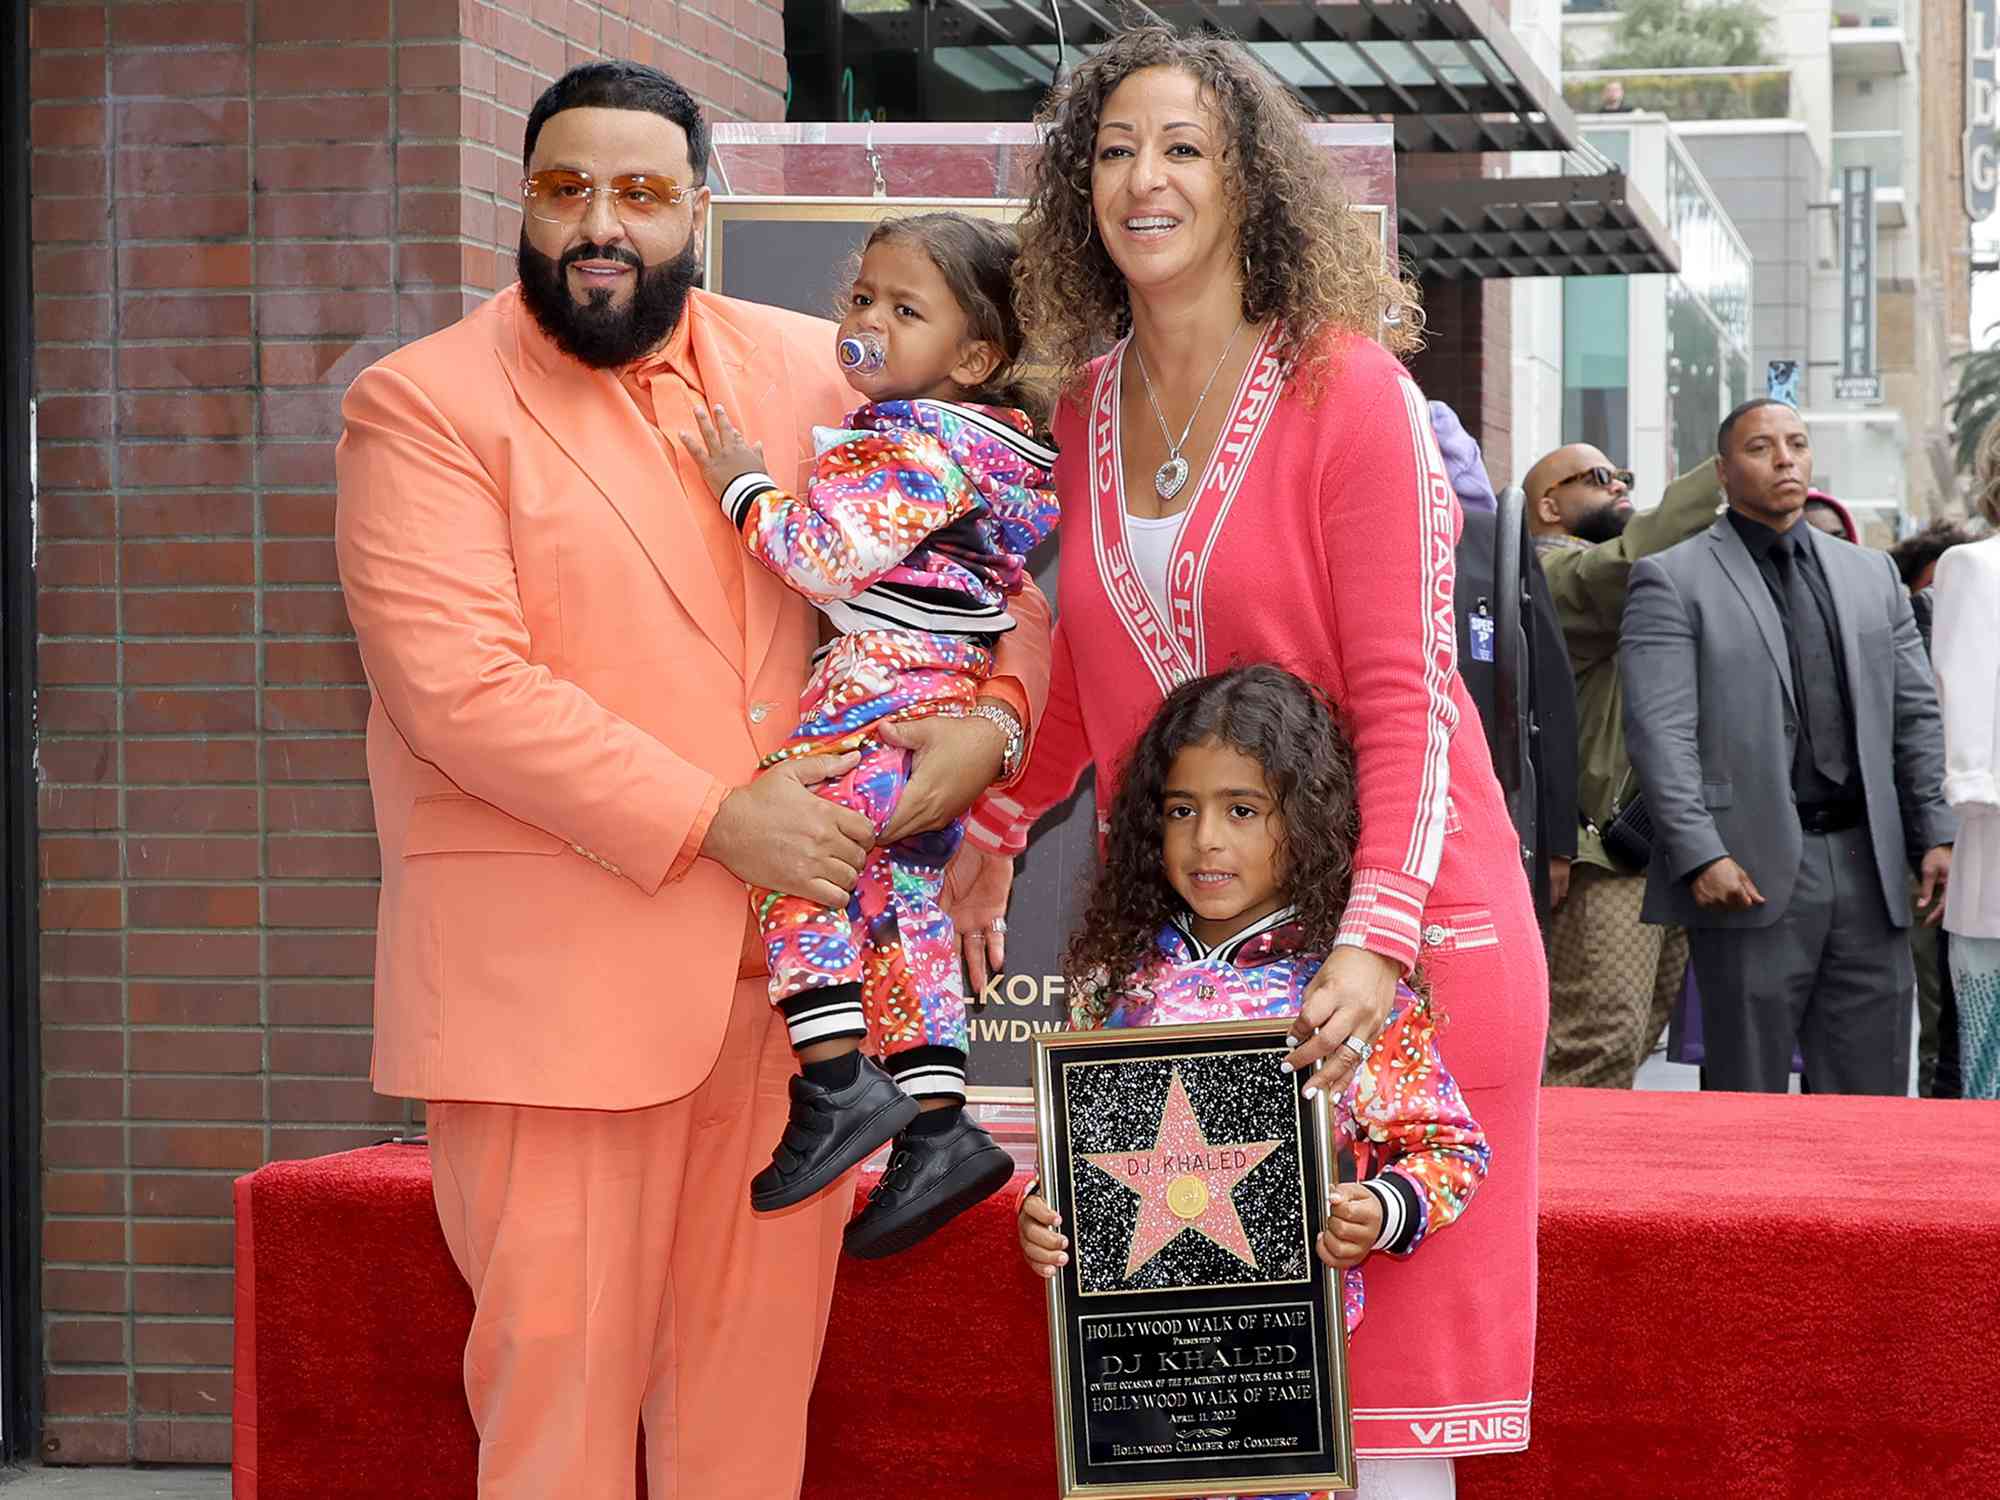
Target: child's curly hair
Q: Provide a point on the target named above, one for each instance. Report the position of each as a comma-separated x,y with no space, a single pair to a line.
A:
1289,728
1308,260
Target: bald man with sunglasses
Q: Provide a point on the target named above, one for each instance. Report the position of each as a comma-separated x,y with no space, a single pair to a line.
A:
1612,978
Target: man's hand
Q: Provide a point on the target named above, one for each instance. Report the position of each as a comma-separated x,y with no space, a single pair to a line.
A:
775,834
1350,996
1726,886
976,888
1935,873
1558,880
1353,1220
952,762
724,454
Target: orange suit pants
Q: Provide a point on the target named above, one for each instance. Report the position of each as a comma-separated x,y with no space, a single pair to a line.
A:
620,1279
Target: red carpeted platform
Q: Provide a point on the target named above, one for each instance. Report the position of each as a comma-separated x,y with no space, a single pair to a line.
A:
1741,1297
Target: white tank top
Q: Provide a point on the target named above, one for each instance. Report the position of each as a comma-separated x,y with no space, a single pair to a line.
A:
1153,539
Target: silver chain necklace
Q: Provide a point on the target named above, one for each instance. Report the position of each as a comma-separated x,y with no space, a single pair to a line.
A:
1171,475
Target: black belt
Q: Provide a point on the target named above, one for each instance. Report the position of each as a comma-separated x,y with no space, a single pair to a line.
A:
1831,817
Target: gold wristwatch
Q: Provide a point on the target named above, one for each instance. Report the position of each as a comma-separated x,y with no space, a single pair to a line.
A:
1010,758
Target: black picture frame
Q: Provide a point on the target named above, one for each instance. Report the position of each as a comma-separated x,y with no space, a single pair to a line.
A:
1213,1359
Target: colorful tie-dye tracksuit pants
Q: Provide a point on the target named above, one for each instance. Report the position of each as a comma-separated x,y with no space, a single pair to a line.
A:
912,535
885,967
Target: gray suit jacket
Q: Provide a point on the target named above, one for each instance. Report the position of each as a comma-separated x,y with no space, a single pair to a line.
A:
1710,720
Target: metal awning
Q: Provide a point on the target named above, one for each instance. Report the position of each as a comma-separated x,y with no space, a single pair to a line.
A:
1585,223
1448,74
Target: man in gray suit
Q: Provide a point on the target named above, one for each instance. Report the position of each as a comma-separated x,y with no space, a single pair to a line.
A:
1783,723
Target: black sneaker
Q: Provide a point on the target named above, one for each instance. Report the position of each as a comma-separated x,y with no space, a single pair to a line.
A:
830,1130
931,1180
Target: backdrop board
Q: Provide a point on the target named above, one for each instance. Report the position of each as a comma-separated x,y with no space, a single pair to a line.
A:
800,252
792,206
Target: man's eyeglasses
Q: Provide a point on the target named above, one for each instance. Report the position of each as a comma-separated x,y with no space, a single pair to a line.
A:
1599,476
561,195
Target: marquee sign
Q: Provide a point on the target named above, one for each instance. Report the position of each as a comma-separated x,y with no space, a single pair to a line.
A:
1982,109
1858,379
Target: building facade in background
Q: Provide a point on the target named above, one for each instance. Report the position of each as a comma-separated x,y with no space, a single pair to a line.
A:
1874,83
1651,364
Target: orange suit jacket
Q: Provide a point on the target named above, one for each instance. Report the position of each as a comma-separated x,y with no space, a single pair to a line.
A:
560,699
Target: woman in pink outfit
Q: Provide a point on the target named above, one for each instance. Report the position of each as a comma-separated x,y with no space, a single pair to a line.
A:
1250,475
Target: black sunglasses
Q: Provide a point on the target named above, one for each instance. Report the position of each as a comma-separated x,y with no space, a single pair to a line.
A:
1599,476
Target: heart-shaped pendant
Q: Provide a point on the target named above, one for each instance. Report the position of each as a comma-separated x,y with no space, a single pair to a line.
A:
1170,476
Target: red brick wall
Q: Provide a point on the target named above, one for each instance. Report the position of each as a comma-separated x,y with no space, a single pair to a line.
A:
238,205
1450,367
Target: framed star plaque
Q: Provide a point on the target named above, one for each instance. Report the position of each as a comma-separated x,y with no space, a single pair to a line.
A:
1196,1343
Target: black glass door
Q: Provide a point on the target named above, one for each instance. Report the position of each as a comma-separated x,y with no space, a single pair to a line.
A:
20,1067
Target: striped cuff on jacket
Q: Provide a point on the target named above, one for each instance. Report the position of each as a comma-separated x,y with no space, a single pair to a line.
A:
1402,1213
1385,915
742,494
997,825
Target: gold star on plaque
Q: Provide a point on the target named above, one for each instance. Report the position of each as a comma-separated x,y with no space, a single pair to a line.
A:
1183,1182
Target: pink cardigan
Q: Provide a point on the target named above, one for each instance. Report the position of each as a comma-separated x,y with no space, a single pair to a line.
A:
1321,537
1346,578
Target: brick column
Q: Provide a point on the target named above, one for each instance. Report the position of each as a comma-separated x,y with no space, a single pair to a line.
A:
1496,381
1468,358
238,205
1452,364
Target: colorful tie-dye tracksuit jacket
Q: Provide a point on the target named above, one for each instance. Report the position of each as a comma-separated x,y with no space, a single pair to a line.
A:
1415,1143
912,535
1416,1146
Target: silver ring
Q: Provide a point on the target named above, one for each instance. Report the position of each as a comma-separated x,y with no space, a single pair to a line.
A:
1358,1047
999,926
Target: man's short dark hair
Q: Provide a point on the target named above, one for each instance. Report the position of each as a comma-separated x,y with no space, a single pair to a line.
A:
1730,421
623,85
1915,553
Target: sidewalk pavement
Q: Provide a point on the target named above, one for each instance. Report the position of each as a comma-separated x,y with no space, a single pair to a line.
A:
114,1484
1658,1073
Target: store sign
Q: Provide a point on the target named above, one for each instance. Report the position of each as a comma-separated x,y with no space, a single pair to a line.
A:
1982,108
1857,286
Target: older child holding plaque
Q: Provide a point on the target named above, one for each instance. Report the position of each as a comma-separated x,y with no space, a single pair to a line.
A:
1225,873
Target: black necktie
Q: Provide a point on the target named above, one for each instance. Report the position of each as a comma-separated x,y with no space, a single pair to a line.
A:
1818,691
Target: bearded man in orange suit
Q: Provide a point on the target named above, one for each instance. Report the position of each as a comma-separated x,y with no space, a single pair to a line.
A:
575,670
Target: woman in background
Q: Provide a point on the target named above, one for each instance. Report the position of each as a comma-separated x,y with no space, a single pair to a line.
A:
1966,624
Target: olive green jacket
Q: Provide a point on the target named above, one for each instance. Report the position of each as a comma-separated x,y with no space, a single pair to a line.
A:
1587,583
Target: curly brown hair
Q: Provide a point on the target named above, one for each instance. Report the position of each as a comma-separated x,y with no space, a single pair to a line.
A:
1289,727
1309,261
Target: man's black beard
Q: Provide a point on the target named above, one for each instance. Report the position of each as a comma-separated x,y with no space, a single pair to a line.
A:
594,332
1605,524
